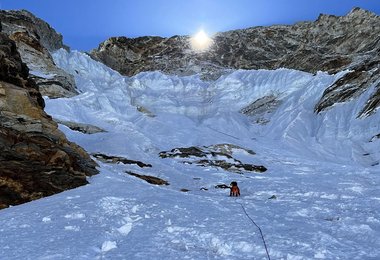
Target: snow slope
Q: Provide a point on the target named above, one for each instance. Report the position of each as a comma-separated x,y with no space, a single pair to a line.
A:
319,168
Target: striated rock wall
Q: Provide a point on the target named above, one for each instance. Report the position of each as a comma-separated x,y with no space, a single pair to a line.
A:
24,20
35,40
330,43
361,77
36,159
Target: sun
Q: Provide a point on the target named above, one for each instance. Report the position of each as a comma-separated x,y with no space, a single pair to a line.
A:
200,41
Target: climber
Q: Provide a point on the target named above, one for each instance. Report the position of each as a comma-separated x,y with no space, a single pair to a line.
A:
235,191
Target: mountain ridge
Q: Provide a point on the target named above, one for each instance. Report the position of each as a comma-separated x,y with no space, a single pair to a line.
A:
331,43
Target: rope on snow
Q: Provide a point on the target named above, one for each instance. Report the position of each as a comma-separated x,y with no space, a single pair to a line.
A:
261,233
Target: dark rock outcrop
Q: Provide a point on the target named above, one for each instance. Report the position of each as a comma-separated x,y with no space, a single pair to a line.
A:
235,166
373,103
331,44
118,159
225,150
219,156
261,108
353,84
185,152
36,159
375,137
149,179
222,186
35,40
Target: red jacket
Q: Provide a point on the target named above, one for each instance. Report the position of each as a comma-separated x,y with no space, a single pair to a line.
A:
235,191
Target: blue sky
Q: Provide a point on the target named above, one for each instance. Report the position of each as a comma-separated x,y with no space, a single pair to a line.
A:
86,23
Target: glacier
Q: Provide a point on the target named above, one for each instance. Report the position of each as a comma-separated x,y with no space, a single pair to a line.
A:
322,168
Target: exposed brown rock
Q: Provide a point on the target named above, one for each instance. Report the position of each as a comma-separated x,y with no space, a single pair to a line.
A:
28,40
35,39
117,159
352,85
49,38
36,159
149,179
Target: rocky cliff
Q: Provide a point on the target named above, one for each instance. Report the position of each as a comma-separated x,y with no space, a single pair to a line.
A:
35,39
330,43
36,159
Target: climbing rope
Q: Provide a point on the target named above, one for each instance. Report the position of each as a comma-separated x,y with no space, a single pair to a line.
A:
261,233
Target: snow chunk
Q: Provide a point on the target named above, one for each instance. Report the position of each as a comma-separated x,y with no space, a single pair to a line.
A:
46,219
125,229
108,245
320,255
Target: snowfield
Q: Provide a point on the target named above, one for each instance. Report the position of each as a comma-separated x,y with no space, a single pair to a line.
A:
322,170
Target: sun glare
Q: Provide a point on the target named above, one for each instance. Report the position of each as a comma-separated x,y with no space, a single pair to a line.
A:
200,41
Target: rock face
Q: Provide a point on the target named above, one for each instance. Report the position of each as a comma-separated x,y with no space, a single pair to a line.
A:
36,159
25,20
260,108
149,179
216,156
35,40
331,44
118,159
353,84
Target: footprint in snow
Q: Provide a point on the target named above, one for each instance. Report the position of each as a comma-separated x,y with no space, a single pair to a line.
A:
72,228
